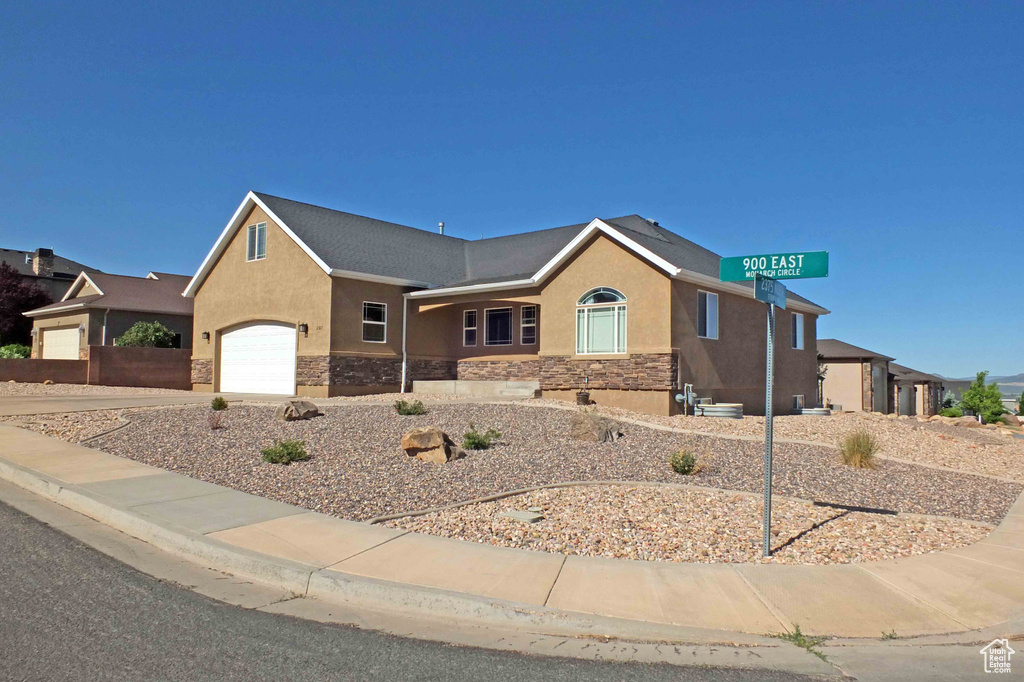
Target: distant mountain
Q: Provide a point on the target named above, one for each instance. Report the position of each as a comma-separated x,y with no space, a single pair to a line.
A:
1011,385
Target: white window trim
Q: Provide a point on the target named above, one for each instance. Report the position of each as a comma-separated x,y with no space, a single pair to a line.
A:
718,323
511,322
797,342
475,327
586,333
523,325
256,246
362,329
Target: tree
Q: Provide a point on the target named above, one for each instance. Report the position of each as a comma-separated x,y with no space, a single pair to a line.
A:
984,399
147,335
16,297
1020,403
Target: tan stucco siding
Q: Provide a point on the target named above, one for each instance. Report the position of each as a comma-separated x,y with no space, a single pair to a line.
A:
436,328
287,286
731,368
604,263
844,385
347,298
65,321
86,290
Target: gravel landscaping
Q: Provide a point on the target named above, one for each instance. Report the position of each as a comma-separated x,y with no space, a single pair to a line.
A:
358,471
691,525
69,426
19,388
981,451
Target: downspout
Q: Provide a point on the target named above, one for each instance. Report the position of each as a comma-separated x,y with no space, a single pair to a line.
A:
105,313
405,319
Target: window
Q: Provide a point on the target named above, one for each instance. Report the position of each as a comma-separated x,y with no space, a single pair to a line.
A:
798,403
176,341
707,315
257,244
498,331
528,325
601,328
375,322
797,329
468,327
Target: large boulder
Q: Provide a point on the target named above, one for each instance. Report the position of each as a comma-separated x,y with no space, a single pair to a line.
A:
969,422
294,410
1011,420
594,428
430,444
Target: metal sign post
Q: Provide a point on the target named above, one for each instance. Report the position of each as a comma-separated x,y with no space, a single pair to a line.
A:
769,382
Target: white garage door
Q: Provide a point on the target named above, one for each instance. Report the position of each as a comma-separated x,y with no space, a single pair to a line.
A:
258,358
61,344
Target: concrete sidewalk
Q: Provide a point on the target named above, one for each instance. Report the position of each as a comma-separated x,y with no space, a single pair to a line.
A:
335,560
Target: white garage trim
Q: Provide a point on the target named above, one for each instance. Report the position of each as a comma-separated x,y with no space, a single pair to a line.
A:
61,344
258,357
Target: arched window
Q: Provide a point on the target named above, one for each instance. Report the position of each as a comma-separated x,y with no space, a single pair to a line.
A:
601,322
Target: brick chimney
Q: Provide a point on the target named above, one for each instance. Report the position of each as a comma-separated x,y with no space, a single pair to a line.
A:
42,262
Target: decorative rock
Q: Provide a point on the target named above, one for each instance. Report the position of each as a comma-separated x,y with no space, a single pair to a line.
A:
524,516
294,410
430,444
1011,420
594,428
968,422
47,382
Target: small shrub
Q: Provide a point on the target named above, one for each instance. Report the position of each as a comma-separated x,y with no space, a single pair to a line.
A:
951,412
474,440
14,351
215,420
146,335
683,462
858,449
406,408
285,452
218,404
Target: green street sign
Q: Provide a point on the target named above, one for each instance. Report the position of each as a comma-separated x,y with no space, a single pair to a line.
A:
775,265
768,290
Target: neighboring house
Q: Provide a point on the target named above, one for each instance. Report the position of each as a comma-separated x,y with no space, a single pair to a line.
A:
856,379
295,298
912,392
53,274
98,308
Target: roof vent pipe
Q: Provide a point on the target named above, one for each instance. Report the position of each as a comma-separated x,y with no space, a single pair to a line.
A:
440,228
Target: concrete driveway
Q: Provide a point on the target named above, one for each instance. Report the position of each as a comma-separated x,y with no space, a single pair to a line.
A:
23,405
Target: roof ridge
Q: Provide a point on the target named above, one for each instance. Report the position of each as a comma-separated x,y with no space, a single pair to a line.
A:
358,215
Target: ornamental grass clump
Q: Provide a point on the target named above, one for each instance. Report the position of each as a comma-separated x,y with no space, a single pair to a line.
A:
858,449
408,408
285,452
474,440
683,462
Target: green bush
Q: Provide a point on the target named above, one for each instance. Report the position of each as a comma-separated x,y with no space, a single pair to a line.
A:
285,452
984,399
474,440
858,449
407,408
147,335
218,404
683,462
951,412
14,350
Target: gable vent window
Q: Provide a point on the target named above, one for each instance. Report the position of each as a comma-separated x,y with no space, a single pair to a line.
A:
528,325
468,327
601,322
498,327
797,335
375,322
257,242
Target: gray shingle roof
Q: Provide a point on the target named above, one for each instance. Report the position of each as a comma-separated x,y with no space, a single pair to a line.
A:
345,241
63,268
907,374
142,294
833,349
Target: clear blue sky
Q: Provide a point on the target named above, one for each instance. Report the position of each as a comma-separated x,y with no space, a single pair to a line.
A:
890,134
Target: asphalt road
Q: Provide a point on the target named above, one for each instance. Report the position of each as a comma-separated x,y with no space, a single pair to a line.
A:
68,612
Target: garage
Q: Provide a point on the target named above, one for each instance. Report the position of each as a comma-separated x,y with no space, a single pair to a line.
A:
258,358
61,344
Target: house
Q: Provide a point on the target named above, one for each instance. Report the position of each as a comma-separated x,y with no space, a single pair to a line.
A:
53,274
296,298
97,308
856,379
912,392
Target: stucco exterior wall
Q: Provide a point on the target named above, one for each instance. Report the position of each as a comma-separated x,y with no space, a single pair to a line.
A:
65,321
843,385
287,286
731,368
